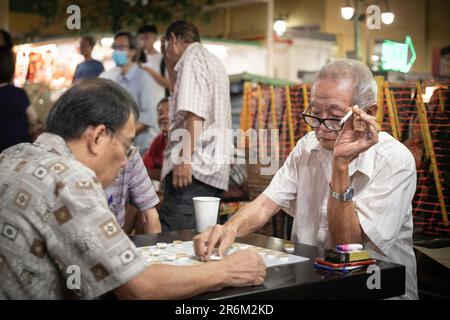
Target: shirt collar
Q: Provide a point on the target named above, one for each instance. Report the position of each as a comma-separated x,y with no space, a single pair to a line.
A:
54,143
363,163
180,62
57,145
131,72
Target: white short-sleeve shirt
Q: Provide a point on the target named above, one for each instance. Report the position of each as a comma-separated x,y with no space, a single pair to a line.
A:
384,179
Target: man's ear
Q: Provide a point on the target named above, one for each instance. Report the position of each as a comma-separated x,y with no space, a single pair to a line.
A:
96,137
372,110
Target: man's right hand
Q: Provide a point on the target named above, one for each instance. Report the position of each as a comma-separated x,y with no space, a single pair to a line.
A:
205,242
244,268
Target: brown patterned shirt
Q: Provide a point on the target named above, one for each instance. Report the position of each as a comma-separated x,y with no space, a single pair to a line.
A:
58,238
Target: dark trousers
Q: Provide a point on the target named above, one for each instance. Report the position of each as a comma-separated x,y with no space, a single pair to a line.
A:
177,209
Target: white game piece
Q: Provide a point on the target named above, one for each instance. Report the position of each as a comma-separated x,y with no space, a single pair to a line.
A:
261,252
283,256
155,252
177,242
215,257
161,245
270,254
182,256
289,247
171,257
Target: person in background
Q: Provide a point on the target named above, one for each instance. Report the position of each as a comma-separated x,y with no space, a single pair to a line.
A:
200,108
54,213
132,193
138,83
89,68
152,61
5,40
19,121
153,158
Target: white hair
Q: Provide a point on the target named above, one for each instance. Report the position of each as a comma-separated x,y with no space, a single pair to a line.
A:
364,84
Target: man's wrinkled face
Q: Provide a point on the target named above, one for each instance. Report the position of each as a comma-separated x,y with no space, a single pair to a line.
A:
163,117
330,99
173,48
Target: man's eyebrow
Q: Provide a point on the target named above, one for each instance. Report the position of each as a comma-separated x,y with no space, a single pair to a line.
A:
336,107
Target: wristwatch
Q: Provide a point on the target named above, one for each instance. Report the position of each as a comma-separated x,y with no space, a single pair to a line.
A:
344,197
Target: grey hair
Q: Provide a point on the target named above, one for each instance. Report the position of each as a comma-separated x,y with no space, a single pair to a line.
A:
364,84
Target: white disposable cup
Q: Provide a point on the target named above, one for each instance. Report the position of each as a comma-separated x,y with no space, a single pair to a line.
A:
206,212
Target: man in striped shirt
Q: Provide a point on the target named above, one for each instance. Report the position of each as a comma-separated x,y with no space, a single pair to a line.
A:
200,100
133,186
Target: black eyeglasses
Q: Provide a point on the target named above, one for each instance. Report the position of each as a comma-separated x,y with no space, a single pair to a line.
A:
120,47
329,123
130,147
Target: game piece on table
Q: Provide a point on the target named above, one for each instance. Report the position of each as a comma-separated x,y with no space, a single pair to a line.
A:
171,257
182,256
289,247
155,252
177,242
161,245
282,256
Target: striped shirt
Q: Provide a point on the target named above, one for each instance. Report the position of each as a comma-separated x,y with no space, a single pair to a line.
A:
131,185
202,88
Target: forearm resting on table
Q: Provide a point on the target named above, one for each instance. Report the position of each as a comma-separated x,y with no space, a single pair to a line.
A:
160,282
343,222
151,221
253,216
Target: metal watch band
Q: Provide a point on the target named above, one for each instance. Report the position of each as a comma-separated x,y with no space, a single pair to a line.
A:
347,195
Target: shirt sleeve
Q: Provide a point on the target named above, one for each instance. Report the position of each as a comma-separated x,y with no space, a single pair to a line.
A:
141,190
283,188
385,204
147,104
24,102
193,93
86,235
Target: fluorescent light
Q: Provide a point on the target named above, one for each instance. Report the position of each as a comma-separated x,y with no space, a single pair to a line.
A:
157,45
387,17
279,26
106,42
347,12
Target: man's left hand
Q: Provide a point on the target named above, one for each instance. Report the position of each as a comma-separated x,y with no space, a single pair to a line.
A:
182,175
356,137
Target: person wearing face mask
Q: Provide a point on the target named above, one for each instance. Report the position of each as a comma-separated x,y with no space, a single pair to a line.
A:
138,83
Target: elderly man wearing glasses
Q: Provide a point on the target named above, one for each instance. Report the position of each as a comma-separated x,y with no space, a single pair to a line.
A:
343,183
58,238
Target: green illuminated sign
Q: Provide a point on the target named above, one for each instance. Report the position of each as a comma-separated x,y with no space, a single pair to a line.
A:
394,55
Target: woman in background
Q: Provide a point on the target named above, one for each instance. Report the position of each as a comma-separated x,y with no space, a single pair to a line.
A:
19,121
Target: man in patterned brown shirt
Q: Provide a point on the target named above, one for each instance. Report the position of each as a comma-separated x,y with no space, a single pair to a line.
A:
58,238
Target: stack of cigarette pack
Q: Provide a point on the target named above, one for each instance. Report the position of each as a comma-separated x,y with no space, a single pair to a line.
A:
345,258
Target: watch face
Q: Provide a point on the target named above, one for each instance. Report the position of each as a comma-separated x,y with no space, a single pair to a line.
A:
351,192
